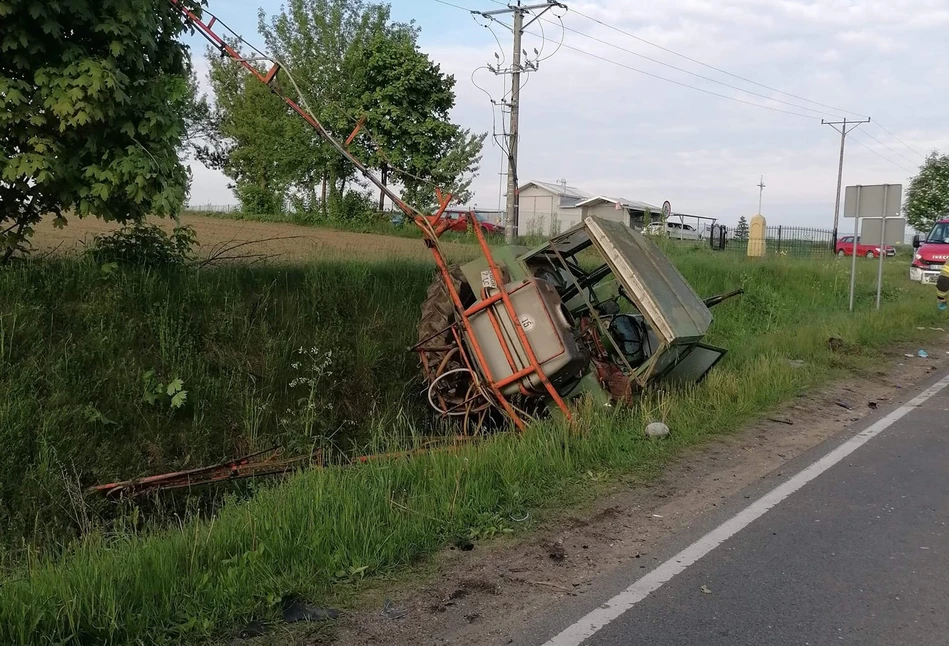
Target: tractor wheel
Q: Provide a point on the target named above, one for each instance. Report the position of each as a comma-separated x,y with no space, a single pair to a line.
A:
439,351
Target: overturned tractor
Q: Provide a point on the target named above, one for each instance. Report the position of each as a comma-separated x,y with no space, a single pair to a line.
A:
598,310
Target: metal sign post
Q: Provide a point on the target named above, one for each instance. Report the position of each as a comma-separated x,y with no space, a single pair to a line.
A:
886,190
853,251
870,203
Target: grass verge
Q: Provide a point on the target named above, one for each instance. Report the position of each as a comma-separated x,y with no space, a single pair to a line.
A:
189,583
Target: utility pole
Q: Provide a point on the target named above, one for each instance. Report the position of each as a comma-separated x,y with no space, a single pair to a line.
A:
519,11
844,131
760,193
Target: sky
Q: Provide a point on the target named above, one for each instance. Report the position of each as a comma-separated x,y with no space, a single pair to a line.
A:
596,115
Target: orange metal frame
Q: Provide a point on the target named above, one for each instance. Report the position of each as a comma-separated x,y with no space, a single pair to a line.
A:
432,226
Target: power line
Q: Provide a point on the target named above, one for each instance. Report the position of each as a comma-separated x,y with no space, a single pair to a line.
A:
882,156
451,4
663,78
723,71
712,67
685,85
900,140
899,154
700,76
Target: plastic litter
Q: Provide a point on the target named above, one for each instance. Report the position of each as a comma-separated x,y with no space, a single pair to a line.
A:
295,610
922,354
390,611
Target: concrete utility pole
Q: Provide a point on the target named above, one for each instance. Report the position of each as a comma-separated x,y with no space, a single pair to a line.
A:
760,193
843,130
519,11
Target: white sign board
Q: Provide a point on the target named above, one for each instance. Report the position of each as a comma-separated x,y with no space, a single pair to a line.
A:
894,234
873,201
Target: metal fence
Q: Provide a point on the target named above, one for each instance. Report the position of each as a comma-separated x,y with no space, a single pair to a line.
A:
211,208
786,241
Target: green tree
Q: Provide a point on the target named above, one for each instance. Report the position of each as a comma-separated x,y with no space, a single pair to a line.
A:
252,137
741,231
927,198
406,100
92,102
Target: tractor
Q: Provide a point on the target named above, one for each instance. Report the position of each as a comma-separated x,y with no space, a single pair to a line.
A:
598,310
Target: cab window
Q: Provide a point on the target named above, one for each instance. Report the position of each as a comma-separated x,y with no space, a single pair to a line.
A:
939,233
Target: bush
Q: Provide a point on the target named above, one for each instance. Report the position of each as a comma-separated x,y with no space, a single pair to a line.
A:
145,245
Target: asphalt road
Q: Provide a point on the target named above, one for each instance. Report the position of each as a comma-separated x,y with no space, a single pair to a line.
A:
859,555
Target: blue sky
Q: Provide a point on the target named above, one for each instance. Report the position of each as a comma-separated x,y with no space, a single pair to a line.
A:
611,130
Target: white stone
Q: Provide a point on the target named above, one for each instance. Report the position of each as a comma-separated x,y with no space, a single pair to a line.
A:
657,429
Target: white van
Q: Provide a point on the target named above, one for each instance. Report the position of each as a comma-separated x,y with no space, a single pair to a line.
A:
676,230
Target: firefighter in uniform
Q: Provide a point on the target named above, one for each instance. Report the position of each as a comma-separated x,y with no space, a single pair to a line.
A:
942,288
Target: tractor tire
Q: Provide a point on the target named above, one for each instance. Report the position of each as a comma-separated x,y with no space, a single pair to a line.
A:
438,313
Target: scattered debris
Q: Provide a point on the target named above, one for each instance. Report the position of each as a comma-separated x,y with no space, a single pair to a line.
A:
796,363
656,516
556,552
295,610
781,420
253,629
481,585
390,611
922,354
872,405
844,405
705,590
524,518
464,544
552,585
657,429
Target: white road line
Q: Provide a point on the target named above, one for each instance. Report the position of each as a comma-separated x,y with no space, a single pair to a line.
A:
579,632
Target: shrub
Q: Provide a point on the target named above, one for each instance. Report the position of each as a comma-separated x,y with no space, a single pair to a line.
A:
145,245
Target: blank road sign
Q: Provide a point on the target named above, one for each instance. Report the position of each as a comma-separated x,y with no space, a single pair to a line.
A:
895,231
871,199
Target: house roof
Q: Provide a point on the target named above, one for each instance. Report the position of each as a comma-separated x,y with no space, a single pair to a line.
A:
558,189
636,205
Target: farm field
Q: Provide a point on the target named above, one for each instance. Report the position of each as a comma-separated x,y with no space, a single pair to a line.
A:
309,350
282,242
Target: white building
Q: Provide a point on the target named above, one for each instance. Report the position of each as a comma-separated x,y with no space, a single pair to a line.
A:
547,209
619,209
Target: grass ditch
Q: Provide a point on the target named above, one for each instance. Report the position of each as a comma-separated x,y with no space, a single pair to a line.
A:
319,530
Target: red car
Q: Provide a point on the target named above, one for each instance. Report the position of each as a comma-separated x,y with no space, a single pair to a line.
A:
845,248
459,223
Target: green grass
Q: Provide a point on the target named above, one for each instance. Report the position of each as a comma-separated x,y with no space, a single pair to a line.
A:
312,534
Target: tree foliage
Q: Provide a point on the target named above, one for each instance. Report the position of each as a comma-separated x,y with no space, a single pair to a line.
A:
741,231
349,60
92,98
927,198
253,139
406,100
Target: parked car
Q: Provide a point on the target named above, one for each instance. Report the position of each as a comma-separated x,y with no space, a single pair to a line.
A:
930,253
844,247
677,230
